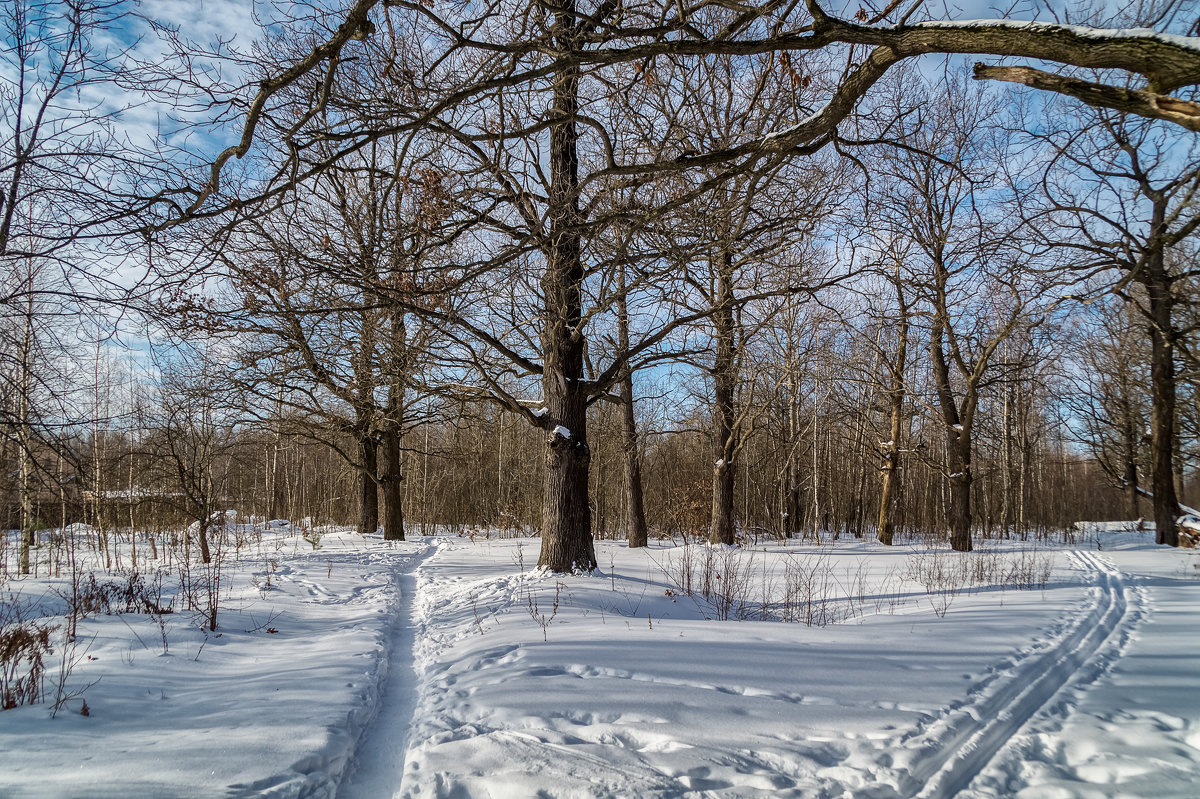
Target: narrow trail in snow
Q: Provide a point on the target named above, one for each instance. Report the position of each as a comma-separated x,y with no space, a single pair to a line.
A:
963,743
378,765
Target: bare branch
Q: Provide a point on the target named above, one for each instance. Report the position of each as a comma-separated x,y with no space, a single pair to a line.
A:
1133,101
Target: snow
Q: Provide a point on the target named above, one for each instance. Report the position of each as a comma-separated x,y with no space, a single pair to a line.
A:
560,432
242,710
451,667
540,412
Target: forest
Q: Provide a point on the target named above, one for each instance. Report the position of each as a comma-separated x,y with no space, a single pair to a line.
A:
599,398
618,270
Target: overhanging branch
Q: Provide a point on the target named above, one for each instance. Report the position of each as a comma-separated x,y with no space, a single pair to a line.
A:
1133,101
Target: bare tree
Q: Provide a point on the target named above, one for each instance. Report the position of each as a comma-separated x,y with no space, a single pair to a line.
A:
322,292
513,89
191,439
977,287
1120,196
1109,396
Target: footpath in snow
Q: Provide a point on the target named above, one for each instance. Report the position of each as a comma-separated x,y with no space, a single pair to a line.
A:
271,704
618,685
451,668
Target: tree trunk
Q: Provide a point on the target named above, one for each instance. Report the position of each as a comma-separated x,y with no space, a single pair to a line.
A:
858,505
891,451
635,530
368,517
959,513
891,454
25,444
957,423
886,528
391,486
724,432
791,487
566,514
636,533
278,480
25,432
722,531
635,511
202,535
1162,414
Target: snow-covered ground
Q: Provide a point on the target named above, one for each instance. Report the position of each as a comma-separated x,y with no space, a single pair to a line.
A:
450,668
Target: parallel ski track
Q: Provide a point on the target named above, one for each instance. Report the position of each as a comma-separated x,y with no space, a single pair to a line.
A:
979,730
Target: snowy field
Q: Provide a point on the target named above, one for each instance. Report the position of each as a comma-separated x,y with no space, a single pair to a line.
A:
350,667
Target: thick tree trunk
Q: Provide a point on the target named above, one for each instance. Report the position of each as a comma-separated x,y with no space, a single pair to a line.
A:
722,531
958,423
886,530
725,469
1162,414
368,517
205,552
1162,380
891,450
793,500
566,514
724,432
391,485
959,512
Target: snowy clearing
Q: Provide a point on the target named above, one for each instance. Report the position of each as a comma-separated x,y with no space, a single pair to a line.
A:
448,667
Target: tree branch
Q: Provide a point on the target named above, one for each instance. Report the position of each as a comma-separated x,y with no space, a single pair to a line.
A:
1134,101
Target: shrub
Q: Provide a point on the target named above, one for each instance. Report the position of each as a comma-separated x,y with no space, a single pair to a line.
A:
24,646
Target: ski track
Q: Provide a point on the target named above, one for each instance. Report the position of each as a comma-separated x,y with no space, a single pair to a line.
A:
378,763
962,743
947,753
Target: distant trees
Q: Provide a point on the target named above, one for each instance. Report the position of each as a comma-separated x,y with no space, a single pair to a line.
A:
67,186
321,298
188,441
957,260
1108,396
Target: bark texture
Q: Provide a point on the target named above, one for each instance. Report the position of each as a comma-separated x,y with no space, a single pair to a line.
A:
724,412
566,512
391,486
1162,411
368,516
889,473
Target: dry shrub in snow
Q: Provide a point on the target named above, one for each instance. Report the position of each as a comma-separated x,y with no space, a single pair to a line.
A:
24,646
